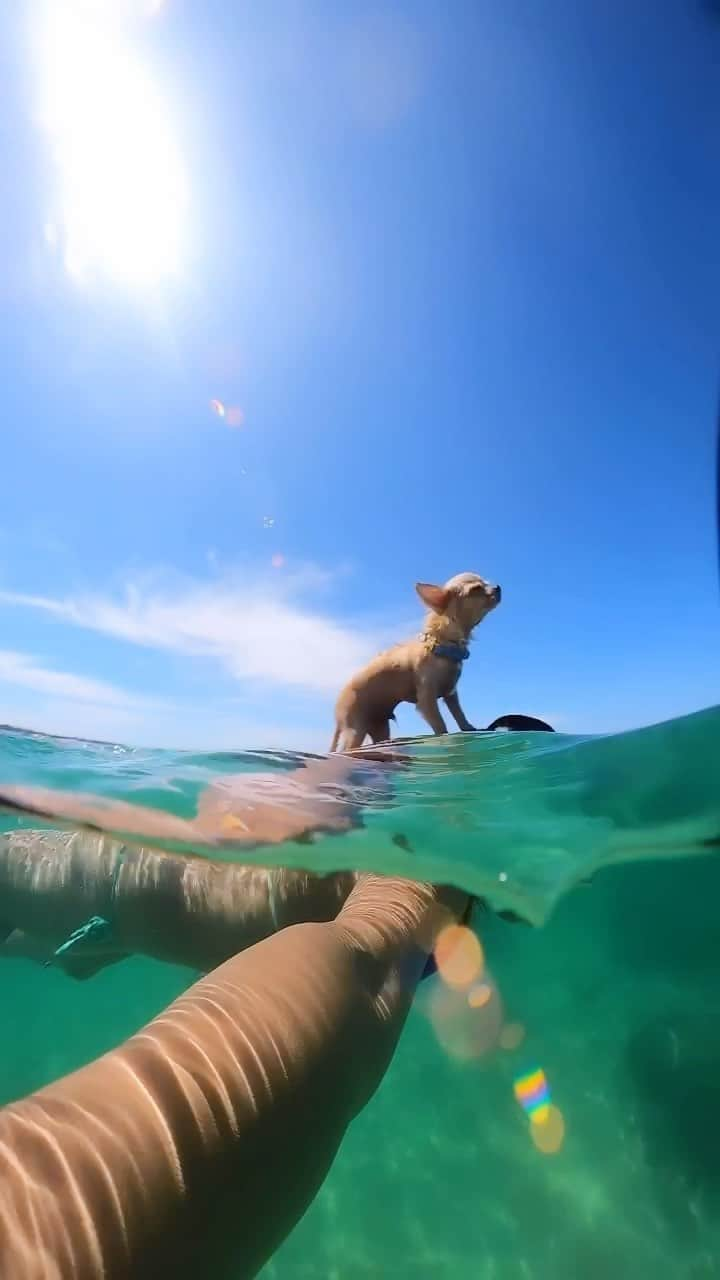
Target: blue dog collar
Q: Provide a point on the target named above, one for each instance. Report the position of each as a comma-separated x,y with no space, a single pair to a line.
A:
455,652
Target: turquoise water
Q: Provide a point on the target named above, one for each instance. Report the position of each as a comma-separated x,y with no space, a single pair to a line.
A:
616,996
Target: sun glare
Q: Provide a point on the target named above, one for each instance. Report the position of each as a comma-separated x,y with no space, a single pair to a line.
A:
120,199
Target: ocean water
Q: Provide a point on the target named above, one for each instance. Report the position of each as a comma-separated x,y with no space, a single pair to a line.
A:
610,848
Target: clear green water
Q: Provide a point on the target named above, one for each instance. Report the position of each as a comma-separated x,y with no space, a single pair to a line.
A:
618,993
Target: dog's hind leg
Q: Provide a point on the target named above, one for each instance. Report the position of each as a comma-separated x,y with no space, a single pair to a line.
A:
379,730
350,739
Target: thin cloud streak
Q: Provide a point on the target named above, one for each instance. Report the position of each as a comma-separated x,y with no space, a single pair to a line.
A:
24,671
254,632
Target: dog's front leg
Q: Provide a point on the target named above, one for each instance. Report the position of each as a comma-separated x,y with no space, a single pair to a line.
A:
452,702
430,711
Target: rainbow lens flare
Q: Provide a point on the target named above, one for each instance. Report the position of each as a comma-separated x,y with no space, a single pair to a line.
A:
533,1093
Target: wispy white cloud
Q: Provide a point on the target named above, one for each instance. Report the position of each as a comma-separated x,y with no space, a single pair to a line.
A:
254,629
21,670
38,697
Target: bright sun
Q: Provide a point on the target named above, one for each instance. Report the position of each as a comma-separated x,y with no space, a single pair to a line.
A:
121,196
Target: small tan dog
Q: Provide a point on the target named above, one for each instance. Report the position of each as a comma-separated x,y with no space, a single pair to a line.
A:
420,671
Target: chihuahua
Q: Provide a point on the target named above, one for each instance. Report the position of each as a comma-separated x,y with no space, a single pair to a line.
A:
420,671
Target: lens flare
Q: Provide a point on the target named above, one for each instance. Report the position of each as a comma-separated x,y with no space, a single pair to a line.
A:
466,1032
512,1035
459,956
533,1093
548,1133
479,995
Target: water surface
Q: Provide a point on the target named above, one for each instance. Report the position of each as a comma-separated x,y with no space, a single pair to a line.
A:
615,995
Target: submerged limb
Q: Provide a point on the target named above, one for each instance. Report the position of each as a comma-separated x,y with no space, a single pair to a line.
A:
244,810
200,1142
55,888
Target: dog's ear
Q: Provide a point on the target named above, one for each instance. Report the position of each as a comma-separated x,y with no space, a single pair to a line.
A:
436,598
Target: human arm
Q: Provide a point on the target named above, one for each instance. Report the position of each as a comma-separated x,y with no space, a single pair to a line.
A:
201,1141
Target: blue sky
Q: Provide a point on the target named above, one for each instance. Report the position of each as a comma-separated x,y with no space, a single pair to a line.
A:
454,267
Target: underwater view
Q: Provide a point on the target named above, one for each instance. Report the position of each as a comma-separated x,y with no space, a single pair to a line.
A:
610,846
